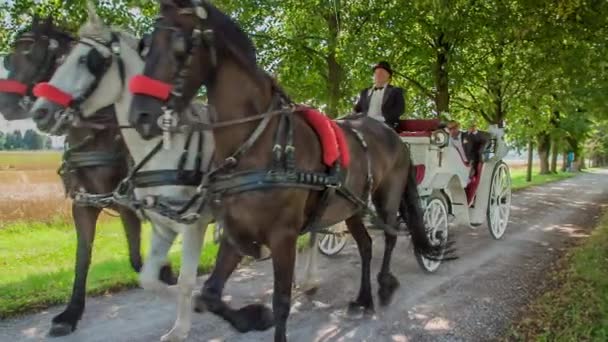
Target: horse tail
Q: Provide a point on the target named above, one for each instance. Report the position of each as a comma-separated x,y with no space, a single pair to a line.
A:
411,212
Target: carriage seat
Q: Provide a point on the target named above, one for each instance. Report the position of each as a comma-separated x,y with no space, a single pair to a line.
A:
418,127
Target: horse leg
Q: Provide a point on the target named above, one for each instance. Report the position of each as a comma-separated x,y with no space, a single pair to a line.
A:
228,258
311,274
162,239
85,219
387,200
364,244
283,247
192,242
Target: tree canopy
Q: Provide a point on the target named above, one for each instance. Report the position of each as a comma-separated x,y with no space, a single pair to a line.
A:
540,67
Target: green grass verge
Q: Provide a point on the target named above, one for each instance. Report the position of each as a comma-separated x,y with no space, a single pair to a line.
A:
575,308
37,263
518,178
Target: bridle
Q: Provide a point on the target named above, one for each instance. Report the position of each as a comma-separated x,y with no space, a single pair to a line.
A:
52,58
98,64
172,93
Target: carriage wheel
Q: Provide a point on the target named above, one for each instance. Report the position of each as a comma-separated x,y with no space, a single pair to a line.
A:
436,223
499,203
332,244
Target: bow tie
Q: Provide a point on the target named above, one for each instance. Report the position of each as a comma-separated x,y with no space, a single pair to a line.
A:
378,88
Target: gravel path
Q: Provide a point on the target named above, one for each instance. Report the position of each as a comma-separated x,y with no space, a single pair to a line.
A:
471,299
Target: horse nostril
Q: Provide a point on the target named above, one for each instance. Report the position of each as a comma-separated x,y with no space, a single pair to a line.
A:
144,117
40,113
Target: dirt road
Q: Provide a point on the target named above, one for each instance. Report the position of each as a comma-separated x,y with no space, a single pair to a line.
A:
471,299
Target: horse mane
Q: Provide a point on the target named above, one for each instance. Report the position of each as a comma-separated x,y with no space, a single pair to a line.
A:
47,28
231,34
103,34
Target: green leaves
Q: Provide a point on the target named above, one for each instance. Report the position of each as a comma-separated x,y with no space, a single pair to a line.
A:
515,60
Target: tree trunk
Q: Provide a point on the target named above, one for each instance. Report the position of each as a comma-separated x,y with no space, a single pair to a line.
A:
544,144
564,161
442,95
530,160
334,69
554,154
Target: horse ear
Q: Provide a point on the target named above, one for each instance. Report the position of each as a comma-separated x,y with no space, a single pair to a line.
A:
92,11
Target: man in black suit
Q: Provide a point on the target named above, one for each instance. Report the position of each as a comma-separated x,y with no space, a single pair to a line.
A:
382,102
469,144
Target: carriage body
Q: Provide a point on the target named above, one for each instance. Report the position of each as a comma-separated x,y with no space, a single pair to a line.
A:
441,169
447,194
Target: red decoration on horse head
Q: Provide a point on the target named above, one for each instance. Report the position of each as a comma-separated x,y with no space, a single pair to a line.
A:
13,87
144,85
50,92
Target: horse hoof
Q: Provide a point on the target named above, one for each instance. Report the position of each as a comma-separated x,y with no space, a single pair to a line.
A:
356,309
173,337
61,329
388,285
199,304
311,288
166,275
253,317
311,291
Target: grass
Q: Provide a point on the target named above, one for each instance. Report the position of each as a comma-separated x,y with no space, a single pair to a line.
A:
518,178
37,262
576,308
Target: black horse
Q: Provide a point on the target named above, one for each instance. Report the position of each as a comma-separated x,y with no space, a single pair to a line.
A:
272,182
94,162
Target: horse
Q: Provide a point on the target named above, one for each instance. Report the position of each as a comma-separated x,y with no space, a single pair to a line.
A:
273,180
94,76
92,166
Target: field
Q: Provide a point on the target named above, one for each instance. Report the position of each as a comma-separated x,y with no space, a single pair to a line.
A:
37,240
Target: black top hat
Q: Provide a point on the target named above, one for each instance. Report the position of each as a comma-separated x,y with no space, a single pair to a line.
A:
384,65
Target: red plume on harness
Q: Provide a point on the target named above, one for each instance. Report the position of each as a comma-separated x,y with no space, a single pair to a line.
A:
53,94
144,85
13,87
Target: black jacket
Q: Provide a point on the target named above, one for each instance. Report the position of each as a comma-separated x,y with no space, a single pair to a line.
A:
393,104
474,145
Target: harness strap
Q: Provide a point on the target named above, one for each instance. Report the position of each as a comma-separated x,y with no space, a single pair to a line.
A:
78,160
148,179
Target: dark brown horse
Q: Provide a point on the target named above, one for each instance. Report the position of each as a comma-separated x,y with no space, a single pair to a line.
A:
95,161
256,128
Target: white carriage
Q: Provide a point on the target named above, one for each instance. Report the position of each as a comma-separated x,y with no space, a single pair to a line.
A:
448,195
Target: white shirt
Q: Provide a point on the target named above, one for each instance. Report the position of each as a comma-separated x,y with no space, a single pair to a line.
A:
457,143
375,103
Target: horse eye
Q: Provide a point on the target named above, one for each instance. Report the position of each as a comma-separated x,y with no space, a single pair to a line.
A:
94,61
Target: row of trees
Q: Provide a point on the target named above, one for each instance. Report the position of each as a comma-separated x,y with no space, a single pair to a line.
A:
538,66
30,140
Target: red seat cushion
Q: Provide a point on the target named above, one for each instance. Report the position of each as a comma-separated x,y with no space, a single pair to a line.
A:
471,188
416,134
420,169
418,125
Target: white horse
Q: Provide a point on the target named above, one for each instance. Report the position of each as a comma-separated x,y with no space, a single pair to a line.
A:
74,78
